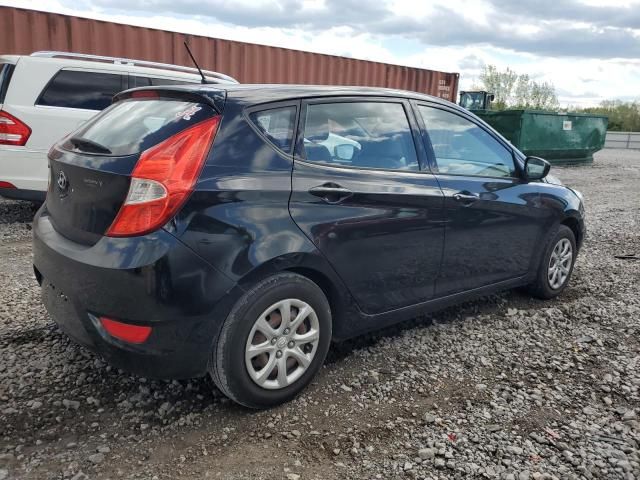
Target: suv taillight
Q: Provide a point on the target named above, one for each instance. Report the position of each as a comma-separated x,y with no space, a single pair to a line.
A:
162,180
13,131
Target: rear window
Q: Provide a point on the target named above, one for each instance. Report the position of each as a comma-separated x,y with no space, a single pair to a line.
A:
134,125
140,81
86,90
6,70
277,125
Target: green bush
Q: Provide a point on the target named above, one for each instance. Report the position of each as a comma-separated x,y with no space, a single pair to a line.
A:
623,116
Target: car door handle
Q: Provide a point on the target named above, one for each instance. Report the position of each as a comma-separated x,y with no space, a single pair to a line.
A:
331,192
465,197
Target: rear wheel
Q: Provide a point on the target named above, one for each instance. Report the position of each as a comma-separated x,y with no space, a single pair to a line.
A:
556,265
273,342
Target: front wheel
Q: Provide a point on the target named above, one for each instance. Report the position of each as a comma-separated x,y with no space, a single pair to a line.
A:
556,265
273,342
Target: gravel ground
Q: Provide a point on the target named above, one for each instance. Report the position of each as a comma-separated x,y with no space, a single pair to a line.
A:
506,387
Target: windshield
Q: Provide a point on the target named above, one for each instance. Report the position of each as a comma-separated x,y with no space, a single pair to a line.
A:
134,125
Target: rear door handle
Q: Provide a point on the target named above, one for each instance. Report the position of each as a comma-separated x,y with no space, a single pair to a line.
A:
465,197
331,192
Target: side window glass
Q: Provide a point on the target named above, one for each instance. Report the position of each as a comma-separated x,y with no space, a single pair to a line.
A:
360,134
277,125
463,148
87,90
6,70
140,81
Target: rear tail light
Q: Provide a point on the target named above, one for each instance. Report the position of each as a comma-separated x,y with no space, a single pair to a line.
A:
125,331
144,94
162,180
7,185
13,131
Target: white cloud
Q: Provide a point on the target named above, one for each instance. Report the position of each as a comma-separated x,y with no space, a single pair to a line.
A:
579,80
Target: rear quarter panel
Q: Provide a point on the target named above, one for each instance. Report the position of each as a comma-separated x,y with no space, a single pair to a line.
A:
238,217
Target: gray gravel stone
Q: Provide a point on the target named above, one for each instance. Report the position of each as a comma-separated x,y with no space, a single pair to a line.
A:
96,458
71,404
502,387
426,453
429,418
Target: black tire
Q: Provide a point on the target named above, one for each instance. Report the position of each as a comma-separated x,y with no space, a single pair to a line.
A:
541,287
227,364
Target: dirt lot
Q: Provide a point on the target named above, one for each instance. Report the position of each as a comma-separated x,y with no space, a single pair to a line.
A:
506,387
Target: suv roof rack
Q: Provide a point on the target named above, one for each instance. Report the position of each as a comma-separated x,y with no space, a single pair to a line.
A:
135,63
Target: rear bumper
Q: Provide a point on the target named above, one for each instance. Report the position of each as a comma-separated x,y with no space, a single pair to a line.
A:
20,194
27,169
153,280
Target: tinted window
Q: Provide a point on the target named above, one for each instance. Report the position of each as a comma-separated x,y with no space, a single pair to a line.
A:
360,134
88,90
139,81
131,126
277,125
6,69
463,148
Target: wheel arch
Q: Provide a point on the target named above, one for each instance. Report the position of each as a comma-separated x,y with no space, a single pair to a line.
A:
328,288
574,224
315,268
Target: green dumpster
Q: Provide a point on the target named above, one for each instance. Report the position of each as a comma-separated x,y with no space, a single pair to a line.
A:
561,138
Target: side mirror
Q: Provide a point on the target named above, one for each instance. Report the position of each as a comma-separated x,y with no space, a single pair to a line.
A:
345,151
536,168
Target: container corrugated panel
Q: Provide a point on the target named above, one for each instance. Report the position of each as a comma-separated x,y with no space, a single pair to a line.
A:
25,31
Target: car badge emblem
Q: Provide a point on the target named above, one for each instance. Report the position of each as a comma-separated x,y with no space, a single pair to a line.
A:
63,182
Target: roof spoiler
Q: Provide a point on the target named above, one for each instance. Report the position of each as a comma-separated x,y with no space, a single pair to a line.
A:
209,94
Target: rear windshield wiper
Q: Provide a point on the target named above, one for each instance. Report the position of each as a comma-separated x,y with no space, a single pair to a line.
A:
87,145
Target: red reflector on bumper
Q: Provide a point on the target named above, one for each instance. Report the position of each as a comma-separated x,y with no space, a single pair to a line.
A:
124,331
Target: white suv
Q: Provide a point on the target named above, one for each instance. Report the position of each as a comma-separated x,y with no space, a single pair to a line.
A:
46,95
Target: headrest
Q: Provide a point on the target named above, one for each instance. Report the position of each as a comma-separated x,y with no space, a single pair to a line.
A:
317,126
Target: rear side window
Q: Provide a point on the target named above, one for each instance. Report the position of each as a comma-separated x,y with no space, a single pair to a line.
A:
86,90
360,134
277,125
134,125
140,81
6,70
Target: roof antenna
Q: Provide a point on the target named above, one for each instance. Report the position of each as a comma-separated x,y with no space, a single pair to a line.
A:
186,45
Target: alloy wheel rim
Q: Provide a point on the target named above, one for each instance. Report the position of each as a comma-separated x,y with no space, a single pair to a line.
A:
282,344
560,263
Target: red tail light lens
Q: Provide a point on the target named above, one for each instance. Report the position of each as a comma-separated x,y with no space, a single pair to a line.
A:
125,331
144,94
13,131
7,185
162,180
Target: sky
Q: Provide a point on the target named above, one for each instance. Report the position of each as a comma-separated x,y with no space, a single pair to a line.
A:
589,49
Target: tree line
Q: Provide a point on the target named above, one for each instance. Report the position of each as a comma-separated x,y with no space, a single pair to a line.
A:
623,116
519,91
513,90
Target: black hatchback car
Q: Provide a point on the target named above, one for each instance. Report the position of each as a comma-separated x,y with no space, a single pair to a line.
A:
237,230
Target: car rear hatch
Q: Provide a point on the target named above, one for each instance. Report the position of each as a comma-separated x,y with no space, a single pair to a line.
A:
128,170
